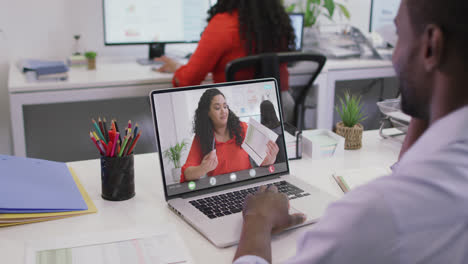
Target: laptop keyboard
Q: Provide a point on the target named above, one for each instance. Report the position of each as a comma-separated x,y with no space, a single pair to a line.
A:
232,202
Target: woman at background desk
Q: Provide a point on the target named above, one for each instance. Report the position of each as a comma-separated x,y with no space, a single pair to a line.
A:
216,148
236,29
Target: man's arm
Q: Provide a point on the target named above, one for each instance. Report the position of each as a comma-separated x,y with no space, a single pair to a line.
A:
255,239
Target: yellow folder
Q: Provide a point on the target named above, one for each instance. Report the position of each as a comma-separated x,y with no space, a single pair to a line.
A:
18,219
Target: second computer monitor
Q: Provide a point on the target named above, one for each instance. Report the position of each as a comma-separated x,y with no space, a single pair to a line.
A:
297,22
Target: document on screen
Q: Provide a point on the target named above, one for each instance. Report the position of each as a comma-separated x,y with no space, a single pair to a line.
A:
256,139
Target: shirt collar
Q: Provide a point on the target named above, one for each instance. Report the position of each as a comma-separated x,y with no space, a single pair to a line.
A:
447,130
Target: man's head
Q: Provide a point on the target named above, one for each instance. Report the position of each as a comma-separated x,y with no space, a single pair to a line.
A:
432,43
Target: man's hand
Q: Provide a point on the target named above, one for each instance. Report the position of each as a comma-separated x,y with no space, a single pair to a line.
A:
272,208
169,66
265,213
272,151
209,162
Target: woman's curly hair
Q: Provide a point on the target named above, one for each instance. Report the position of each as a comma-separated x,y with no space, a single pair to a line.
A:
203,126
264,24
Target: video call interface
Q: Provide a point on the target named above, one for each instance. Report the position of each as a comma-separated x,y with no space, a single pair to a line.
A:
194,159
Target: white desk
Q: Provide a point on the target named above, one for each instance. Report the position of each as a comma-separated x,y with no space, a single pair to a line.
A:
148,207
128,79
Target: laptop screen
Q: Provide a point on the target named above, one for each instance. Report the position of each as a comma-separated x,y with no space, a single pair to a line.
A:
215,135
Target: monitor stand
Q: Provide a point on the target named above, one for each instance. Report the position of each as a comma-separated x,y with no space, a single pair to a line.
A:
155,50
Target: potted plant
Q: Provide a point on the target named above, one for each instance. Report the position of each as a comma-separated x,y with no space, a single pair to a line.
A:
91,57
312,10
351,116
173,153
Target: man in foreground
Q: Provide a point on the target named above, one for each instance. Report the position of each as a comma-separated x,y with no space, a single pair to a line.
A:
419,214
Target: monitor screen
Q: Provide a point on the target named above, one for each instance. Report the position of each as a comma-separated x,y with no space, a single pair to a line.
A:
383,12
297,22
251,108
153,21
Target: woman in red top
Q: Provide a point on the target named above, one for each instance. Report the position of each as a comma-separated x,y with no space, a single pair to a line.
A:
216,148
236,28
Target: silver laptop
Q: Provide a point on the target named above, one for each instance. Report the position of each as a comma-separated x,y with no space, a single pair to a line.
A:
207,173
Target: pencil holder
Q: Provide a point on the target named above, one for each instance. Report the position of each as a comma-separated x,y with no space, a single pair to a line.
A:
117,178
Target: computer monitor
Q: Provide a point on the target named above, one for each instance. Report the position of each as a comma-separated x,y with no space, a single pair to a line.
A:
297,22
383,12
154,23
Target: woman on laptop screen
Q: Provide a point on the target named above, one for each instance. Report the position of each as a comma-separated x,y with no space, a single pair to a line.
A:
216,148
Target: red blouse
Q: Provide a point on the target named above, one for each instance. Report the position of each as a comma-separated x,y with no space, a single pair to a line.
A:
231,157
220,43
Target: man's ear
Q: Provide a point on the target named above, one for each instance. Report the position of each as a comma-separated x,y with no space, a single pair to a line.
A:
433,47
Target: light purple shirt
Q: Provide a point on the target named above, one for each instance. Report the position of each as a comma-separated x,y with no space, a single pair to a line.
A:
419,214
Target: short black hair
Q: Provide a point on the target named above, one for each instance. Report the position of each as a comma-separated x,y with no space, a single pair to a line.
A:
450,15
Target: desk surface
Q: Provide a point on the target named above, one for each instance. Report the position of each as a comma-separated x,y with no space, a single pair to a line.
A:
148,208
129,73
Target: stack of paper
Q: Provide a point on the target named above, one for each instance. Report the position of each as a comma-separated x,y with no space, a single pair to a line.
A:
33,190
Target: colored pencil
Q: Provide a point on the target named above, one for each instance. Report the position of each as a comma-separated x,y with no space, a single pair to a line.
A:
109,149
106,134
129,127
117,129
98,130
123,146
101,126
95,143
130,150
129,141
116,136
103,146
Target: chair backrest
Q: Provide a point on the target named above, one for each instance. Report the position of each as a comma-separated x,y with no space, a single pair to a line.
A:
268,65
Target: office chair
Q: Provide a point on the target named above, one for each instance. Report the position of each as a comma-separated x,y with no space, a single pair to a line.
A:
268,65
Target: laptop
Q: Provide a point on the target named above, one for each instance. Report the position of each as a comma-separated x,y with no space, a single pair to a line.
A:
210,197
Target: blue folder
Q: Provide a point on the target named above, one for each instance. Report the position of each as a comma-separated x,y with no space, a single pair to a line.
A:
37,186
42,67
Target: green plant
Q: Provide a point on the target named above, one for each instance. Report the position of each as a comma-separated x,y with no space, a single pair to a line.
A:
313,9
351,109
90,54
173,153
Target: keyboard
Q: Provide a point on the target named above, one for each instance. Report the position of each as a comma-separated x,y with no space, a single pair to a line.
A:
233,202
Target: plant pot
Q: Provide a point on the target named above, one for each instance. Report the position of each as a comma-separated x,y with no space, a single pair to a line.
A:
352,135
92,64
176,174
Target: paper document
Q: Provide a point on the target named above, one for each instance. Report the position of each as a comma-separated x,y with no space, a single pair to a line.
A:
36,186
350,179
23,218
256,139
163,247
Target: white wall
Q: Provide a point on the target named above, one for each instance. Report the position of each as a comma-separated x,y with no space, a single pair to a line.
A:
45,29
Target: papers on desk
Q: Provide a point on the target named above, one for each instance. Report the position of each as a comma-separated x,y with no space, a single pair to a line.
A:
35,186
33,190
124,246
350,179
256,139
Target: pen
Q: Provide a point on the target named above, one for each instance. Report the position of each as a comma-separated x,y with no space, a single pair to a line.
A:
109,149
